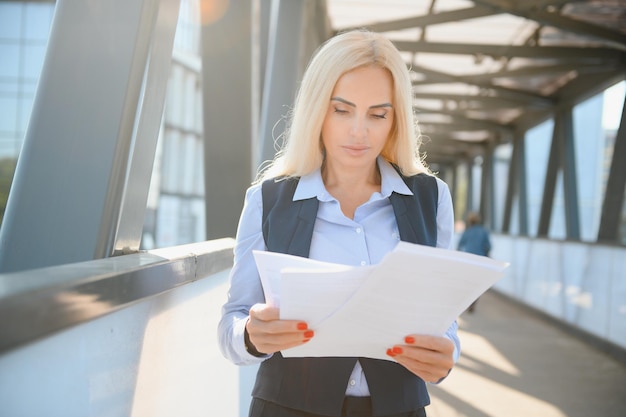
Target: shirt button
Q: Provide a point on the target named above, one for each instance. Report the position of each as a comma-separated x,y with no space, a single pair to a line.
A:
358,230
352,382
363,263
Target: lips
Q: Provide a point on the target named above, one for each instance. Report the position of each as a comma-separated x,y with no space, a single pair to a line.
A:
356,150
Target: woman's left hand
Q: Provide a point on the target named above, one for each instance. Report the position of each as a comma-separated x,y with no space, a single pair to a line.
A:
429,357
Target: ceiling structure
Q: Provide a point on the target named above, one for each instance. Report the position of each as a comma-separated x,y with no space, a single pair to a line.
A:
484,69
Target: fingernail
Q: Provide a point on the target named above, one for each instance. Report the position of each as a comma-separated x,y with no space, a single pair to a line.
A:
397,350
302,326
409,339
390,352
308,334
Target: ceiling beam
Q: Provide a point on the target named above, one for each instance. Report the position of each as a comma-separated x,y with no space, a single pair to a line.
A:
476,101
539,70
574,54
428,19
528,10
438,76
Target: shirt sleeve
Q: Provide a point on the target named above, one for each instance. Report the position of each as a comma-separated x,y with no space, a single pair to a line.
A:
245,287
445,232
445,217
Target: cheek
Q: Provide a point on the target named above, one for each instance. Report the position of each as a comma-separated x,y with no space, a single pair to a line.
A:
329,131
383,130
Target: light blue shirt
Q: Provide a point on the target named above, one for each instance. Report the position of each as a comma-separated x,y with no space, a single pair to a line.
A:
363,240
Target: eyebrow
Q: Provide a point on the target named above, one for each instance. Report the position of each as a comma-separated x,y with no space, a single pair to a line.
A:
349,103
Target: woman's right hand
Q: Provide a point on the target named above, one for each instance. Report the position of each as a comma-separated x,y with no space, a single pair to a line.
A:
269,334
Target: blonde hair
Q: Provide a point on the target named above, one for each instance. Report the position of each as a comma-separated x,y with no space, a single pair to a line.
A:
302,152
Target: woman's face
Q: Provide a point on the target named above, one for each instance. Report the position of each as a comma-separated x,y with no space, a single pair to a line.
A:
359,118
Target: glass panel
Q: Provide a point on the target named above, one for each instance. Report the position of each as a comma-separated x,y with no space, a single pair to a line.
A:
9,64
38,21
176,201
20,66
33,60
8,114
557,220
10,19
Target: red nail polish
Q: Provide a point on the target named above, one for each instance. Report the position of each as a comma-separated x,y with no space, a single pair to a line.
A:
397,350
390,352
409,339
302,326
308,334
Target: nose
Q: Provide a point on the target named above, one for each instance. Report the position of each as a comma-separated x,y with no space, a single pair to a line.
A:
358,128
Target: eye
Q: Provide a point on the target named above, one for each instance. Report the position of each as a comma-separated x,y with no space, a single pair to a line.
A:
340,111
379,116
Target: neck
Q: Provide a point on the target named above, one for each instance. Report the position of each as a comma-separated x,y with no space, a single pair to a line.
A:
341,177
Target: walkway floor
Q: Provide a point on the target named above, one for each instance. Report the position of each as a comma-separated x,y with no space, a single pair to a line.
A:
514,364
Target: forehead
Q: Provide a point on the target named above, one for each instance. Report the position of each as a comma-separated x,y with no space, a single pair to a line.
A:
371,83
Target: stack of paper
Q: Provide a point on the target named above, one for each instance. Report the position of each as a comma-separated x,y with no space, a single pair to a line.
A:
362,311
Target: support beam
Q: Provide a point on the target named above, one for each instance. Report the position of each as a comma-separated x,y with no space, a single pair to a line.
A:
469,197
228,116
522,191
549,188
568,163
561,158
613,205
282,71
487,211
98,105
512,188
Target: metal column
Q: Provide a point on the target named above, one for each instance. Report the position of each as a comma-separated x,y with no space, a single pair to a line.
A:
82,178
561,157
516,187
522,190
486,188
469,196
227,74
282,71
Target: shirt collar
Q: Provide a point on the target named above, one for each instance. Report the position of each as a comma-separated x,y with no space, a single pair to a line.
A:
311,185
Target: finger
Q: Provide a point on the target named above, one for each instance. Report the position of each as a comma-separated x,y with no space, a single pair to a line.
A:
434,343
427,371
264,312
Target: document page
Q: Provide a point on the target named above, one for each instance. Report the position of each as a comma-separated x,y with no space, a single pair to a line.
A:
362,311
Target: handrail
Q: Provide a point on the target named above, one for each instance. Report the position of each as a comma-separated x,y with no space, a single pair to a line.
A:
39,302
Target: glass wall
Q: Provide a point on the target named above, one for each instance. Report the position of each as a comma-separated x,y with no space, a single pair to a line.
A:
175,209
595,123
24,31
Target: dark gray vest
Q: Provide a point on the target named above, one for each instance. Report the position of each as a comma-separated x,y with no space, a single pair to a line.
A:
318,385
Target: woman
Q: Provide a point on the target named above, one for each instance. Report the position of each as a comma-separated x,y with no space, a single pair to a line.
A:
333,193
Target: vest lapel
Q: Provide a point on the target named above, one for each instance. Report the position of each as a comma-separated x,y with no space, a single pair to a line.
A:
300,244
400,209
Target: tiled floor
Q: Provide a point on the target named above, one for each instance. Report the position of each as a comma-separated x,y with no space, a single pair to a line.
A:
514,364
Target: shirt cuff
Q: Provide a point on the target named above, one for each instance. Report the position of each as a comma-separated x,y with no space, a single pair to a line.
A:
239,335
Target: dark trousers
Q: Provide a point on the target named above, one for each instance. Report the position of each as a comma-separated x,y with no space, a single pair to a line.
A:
352,407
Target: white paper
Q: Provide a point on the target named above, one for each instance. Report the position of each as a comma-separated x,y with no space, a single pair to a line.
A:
270,265
363,311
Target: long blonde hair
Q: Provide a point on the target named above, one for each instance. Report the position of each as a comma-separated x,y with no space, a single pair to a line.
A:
302,152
